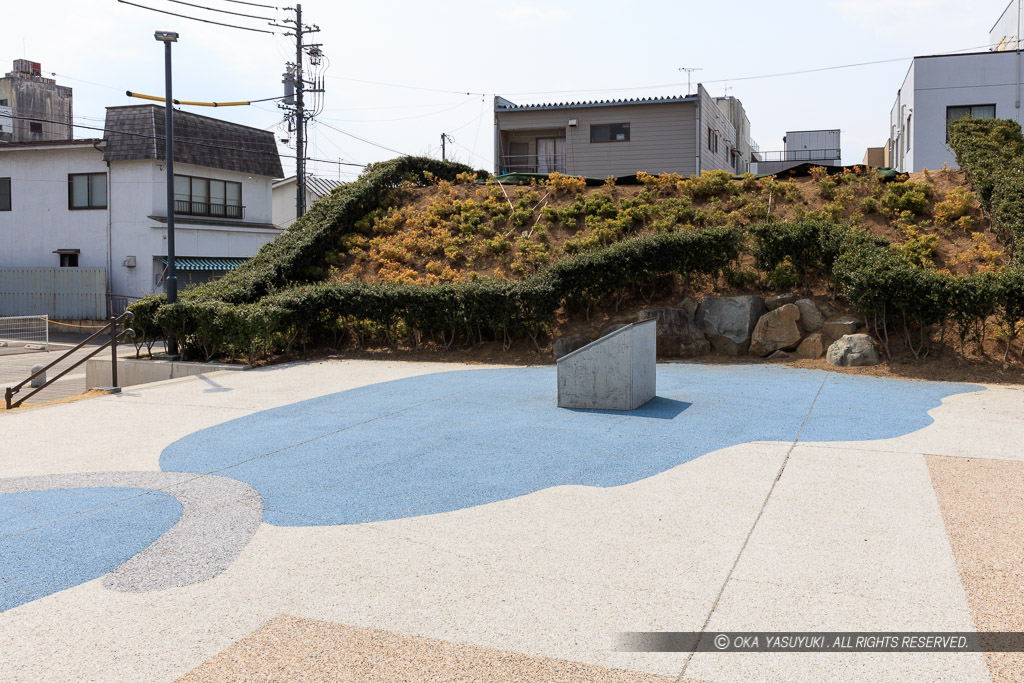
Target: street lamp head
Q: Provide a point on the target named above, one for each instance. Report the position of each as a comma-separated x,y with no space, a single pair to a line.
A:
166,36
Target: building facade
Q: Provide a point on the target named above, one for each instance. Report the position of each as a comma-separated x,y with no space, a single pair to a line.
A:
102,203
939,89
683,135
284,196
25,95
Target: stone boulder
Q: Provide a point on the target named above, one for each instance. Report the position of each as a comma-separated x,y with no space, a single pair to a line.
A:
835,329
811,319
690,306
779,300
776,330
813,346
853,350
728,321
563,346
611,328
678,335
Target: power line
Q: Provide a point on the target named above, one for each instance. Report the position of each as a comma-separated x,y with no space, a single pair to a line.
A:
254,4
205,21
410,87
213,9
405,118
369,142
188,141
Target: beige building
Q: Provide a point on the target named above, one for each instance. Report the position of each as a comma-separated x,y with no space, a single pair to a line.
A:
25,95
682,134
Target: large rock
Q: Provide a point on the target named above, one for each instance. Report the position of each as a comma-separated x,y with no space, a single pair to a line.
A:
779,300
811,319
813,346
835,329
678,335
690,306
728,321
776,330
853,350
566,345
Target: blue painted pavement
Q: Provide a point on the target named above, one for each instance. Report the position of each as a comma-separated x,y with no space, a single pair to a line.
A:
57,539
452,440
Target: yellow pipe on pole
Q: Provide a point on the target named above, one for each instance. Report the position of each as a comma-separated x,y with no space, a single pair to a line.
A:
140,96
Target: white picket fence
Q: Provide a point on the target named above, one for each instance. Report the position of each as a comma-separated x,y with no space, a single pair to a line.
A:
60,293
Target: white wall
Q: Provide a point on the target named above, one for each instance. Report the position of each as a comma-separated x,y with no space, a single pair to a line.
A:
39,221
139,191
934,83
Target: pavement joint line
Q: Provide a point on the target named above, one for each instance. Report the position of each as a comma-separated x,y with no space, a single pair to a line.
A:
782,468
75,514
343,429
813,445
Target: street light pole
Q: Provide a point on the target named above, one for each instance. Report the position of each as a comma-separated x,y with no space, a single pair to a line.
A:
171,281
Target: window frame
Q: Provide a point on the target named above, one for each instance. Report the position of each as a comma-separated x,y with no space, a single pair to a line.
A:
610,126
970,108
90,206
206,198
8,193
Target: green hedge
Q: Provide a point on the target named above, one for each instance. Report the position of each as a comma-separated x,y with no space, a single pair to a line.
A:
507,309
991,154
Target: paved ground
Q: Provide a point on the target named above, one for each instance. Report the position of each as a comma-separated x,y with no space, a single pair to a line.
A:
405,521
16,364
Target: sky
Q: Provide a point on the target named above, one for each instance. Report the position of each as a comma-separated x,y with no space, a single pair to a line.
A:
398,74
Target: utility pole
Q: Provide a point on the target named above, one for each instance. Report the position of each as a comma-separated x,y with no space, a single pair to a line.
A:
444,138
295,99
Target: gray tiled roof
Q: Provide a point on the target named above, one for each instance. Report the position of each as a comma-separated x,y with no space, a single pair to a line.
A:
198,140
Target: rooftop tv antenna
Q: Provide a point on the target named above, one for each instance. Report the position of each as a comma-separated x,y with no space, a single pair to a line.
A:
689,73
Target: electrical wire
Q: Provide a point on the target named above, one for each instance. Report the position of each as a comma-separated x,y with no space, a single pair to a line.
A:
187,141
405,118
409,87
205,21
369,142
254,4
224,11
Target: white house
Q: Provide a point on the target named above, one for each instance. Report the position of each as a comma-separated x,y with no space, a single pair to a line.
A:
102,203
941,88
284,196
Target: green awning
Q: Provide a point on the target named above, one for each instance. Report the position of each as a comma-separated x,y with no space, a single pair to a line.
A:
204,263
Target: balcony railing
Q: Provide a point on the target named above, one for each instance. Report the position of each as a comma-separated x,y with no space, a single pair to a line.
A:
184,207
533,163
800,155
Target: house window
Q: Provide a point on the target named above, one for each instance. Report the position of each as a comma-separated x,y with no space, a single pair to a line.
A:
3,103
712,139
207,197
519,157
87,191
68,260
35,127
910,133
5,194
977,111
609,132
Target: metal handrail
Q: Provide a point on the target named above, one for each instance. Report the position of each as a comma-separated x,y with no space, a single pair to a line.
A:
110,328
187,207
529,163
800,155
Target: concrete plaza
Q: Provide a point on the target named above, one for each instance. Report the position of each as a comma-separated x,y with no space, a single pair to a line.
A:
372,520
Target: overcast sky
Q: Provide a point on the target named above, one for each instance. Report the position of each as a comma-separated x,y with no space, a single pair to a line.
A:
526,50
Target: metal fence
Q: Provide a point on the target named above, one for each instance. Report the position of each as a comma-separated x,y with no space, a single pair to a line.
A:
25,331
800,155
60,293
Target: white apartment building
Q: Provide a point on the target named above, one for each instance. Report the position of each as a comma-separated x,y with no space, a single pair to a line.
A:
102,203
939,89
